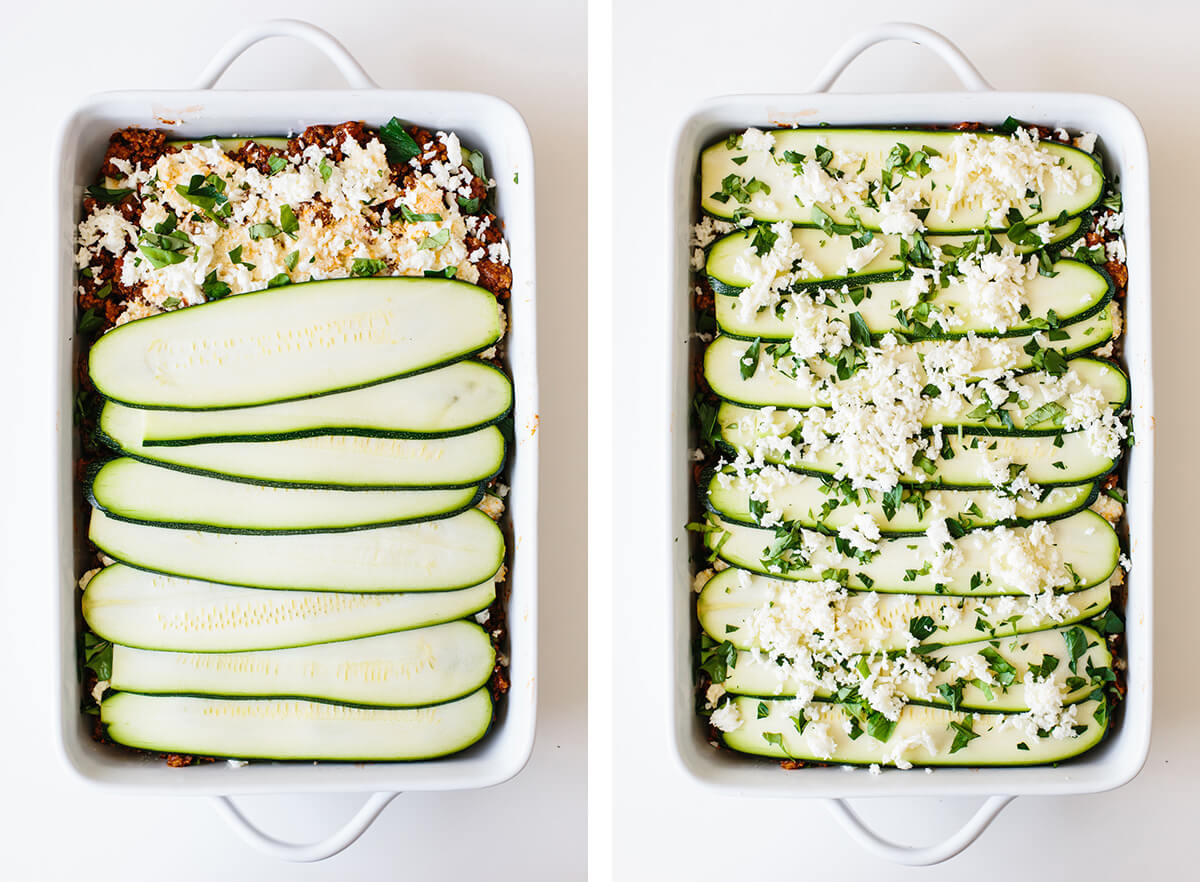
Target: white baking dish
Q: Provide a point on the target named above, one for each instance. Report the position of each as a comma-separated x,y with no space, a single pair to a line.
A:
483,122
1122,754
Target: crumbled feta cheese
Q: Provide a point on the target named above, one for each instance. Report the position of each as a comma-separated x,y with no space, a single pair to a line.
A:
727,717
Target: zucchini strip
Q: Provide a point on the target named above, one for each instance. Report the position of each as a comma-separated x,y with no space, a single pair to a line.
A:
405,669
729,600
769,386
129,490
923,736
818,504
438,555
789,190
292,729
146,610
755,673
1041,458
733,260
321,462
1089,548
453,400
293,342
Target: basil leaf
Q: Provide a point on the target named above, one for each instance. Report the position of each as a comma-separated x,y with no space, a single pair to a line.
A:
325,169
214,288
397,142
279,280
287,220
107,196
365,266
921,626
748,363
413,218
264,231
278,163
468,206
97,656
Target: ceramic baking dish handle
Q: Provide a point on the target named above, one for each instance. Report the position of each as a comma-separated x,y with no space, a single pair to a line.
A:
966,72
926,855
287,27
304,852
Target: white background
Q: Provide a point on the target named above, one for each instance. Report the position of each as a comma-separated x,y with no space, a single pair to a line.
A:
665,62
52,55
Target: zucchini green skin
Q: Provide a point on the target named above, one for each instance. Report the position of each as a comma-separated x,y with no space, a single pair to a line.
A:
293,729
121,366
1090,544
142,609
443,555
262,463
751,673
722,255
993,747
414,668
732,506
716,163
179,490
309,418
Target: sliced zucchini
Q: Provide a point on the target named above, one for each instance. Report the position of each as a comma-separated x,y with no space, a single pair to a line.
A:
404,669
293,342
148,610
1041,458
770,386
129,490
452,400
923,736
439,555
756,673
1092,290
733,260
324,461
728,602
293,729
776,197
1088,546
818,504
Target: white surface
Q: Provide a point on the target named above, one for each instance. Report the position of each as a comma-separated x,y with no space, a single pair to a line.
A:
505,51
1069,46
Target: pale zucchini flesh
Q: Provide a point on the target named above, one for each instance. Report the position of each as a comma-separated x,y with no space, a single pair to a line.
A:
1084,540
127,489
323,461
803,499
294,729
453,400
997,744
873,146
756,673
152,611
441,555
405,669
728,601
293,342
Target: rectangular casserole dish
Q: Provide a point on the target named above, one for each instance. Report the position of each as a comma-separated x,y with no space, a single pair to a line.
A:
1123,144
483,122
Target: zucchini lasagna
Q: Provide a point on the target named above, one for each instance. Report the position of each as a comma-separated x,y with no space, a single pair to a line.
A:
910,417
293,410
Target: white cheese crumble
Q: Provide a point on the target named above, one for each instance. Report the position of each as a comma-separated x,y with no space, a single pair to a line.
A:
727,717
